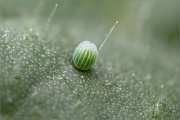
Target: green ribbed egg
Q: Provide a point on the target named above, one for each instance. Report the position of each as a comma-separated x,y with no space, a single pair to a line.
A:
85,55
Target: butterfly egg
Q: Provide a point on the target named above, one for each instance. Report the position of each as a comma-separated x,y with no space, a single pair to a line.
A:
85,55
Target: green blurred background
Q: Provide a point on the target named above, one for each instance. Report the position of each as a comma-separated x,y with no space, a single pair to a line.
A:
139,20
